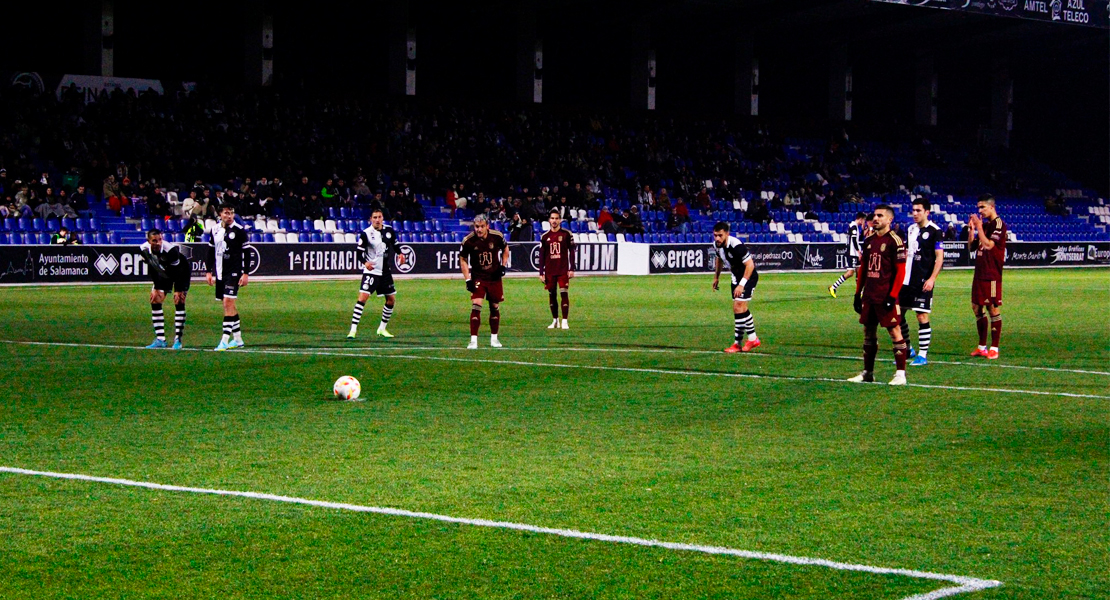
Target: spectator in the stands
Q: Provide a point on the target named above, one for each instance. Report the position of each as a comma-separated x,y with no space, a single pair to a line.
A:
950,233
757,211
81,200
329,194
64,237
605,221
112,193
50,206
157,205
702,201
681,216
520,229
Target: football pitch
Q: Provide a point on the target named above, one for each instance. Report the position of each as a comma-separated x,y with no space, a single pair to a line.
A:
627,457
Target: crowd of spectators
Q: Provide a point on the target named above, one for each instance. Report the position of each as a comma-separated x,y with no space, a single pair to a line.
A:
298,154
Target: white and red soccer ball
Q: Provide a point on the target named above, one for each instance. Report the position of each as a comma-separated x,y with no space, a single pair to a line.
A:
347,388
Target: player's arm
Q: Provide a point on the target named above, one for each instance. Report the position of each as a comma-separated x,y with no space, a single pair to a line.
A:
504,259
899,275
938,264
464,265
545,246
210,262
717,273
985,242
972,240
243,247
749,268
572,251
360,249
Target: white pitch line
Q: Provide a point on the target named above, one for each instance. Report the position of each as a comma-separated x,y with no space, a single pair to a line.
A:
523,363
965,584
984,365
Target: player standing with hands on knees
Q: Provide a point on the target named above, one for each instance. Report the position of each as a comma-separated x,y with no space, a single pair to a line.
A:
227,270
556,268
732,252
171,273
482,259
878,283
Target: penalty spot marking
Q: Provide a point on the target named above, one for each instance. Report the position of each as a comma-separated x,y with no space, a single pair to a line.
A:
524,363
964,584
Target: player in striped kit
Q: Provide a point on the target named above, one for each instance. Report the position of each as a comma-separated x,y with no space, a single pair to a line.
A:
227,270
857,231
171,272
733,253
376,244
924,260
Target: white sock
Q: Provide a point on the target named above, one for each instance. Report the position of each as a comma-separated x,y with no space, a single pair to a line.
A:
994,349
493,337
226,338
752,337
922,353
238,336
899,373
354,329
983,348
473,339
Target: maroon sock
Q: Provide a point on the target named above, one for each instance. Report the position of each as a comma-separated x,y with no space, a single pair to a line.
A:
475,320
565,298
870,349
900,352
553,303
494,320
996,331
982,324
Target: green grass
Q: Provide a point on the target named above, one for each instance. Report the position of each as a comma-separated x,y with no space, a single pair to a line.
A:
1006,486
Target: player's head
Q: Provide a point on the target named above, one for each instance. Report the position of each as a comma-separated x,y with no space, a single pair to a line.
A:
921,208
377,218
861,218
720,233
882,217
986,206
227,214
154,237
481,225
555,219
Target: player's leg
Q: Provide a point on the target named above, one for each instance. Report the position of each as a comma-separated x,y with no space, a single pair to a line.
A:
364,289
549,284
982,323
996,330
157,317
179,317
475,319
870,346
564,300
495,293
901,350
839,282
387,314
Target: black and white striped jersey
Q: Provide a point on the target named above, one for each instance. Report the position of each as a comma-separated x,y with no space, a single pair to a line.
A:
855,239
227,251
165,263
734,254
373,247
922,244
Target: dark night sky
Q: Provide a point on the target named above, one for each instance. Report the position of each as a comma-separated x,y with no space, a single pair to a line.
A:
1061,73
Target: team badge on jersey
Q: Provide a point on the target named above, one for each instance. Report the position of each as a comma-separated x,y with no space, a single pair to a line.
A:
882,248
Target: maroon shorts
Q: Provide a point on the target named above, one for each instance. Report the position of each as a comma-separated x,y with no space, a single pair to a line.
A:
875,314
551,280
488,290
986,292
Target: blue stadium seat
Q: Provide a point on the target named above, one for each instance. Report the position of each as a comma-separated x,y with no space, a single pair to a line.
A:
70,224
5,238
255,237
283,224
8,224
37,225
102,238
344,213
317,237
113,237
267,238
145,224
292,226
24,224
94,224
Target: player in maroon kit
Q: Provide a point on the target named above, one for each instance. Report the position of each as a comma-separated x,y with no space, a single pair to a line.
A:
881,273
556,267
986,235
483,258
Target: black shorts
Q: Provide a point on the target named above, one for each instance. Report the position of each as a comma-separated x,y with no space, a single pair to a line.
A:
746,295
853,261
169,285
228,288
917,299
381,285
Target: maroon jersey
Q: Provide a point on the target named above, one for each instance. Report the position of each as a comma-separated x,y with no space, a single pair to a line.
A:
556,252
882,266
484,255
988,263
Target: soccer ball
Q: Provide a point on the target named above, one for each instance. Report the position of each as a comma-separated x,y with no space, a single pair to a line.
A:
347,388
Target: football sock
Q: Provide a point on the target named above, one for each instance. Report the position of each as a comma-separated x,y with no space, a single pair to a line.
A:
870,349
236,329
747,322
905,326
564,298
996,331
553,303
357,315
737,326
227,328
839,282
475,318
981,322
158,318
387,313
179,320
924,338
494,320
901,350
